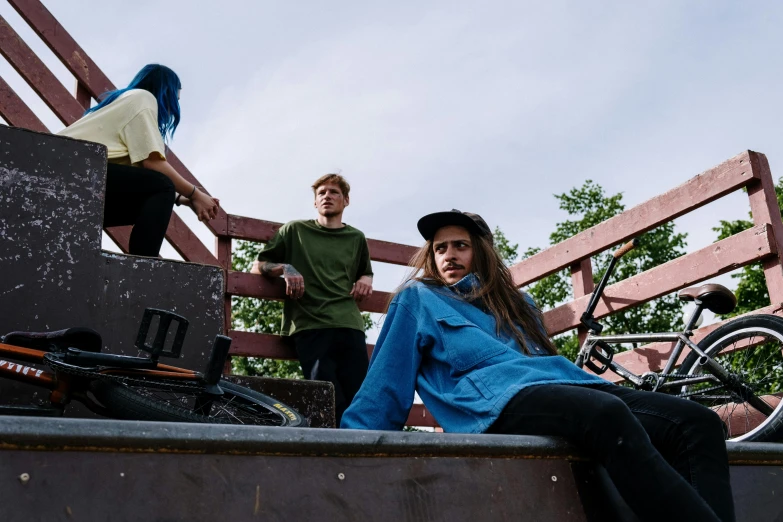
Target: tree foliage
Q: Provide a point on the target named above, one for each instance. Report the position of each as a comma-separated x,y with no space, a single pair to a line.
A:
258,315
588,206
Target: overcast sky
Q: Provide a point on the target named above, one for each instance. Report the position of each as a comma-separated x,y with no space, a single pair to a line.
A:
486,106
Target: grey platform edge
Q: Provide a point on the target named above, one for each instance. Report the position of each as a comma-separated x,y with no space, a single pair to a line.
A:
127,470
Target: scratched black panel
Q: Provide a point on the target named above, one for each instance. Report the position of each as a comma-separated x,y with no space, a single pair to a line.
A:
53,274
758,492
132,487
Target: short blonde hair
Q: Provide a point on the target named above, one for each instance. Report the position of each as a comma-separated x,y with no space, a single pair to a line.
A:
334,179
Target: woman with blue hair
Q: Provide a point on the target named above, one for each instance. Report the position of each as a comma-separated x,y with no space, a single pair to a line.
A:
133,123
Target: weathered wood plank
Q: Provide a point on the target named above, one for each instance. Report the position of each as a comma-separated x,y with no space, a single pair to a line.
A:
251,344
582,283
696,192
16,112
120,236
721,257
269,346
420,416
63,46
187,244
252,285
37,75
251,229
765,209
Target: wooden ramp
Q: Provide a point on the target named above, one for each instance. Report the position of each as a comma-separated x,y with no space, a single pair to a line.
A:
71,469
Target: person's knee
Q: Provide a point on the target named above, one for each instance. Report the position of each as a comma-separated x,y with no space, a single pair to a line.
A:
166,185
705,420
612,422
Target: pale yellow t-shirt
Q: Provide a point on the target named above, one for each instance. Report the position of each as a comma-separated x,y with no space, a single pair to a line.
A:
128,127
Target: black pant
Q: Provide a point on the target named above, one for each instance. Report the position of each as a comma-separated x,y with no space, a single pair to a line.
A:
337,355
140,197
666,456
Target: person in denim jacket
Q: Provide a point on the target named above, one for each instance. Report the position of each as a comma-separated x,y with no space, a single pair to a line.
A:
473,346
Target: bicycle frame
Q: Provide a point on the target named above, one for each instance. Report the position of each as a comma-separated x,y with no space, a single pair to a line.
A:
652,381
62,386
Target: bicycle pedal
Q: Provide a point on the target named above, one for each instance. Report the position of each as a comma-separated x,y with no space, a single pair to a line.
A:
603,357
157,348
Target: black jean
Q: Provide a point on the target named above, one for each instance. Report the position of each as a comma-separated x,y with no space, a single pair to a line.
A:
140,197
666,456
337,355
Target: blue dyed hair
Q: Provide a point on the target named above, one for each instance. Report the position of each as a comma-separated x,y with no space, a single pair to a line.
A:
164,84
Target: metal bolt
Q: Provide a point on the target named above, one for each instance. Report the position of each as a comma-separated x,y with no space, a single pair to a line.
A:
341,476
554,478
24,478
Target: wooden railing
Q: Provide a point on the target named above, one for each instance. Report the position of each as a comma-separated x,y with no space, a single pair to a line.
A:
748,170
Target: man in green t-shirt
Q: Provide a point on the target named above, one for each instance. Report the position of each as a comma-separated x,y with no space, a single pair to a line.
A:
326,267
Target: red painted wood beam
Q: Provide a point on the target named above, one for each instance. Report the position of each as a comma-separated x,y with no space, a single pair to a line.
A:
269,346
54,35
187,244
16,112
120,236
420,416
698,191
37,75
251,229
721,257
765,209
253,285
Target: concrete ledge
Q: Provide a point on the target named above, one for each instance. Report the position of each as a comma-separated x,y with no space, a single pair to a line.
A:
61,469
165,437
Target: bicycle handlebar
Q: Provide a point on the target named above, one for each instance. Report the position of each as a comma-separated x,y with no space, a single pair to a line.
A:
620,252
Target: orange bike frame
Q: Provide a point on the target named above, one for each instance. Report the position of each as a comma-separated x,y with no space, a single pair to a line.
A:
11,369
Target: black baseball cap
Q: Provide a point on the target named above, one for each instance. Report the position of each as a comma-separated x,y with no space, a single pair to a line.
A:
430,223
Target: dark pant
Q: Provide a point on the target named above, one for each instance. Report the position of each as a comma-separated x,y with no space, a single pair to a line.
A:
337,355
666,456
140,197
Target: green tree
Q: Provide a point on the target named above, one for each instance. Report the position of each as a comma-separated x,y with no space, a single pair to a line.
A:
508,252
262,316
751,289
588,206
257,315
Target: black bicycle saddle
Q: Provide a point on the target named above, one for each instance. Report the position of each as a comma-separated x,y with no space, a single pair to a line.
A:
82,338
716,298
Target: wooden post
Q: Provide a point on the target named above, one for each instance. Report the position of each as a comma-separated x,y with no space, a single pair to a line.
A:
582,282
223,251
765,209
83,95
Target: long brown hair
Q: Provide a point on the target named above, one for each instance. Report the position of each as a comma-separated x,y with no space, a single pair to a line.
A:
497,292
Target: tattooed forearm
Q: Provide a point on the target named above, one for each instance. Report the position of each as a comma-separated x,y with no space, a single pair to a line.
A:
289,270
267,268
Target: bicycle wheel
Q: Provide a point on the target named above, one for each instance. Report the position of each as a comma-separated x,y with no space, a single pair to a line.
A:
751,350
160,400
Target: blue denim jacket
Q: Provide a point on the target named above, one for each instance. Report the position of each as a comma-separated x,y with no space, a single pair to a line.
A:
437,343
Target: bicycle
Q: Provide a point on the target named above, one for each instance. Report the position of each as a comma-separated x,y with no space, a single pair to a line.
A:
736,370
135,388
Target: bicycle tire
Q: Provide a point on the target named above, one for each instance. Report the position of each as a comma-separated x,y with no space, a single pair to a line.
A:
765,377
161,400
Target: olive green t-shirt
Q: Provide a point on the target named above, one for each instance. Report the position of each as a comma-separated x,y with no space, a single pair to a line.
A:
330,261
